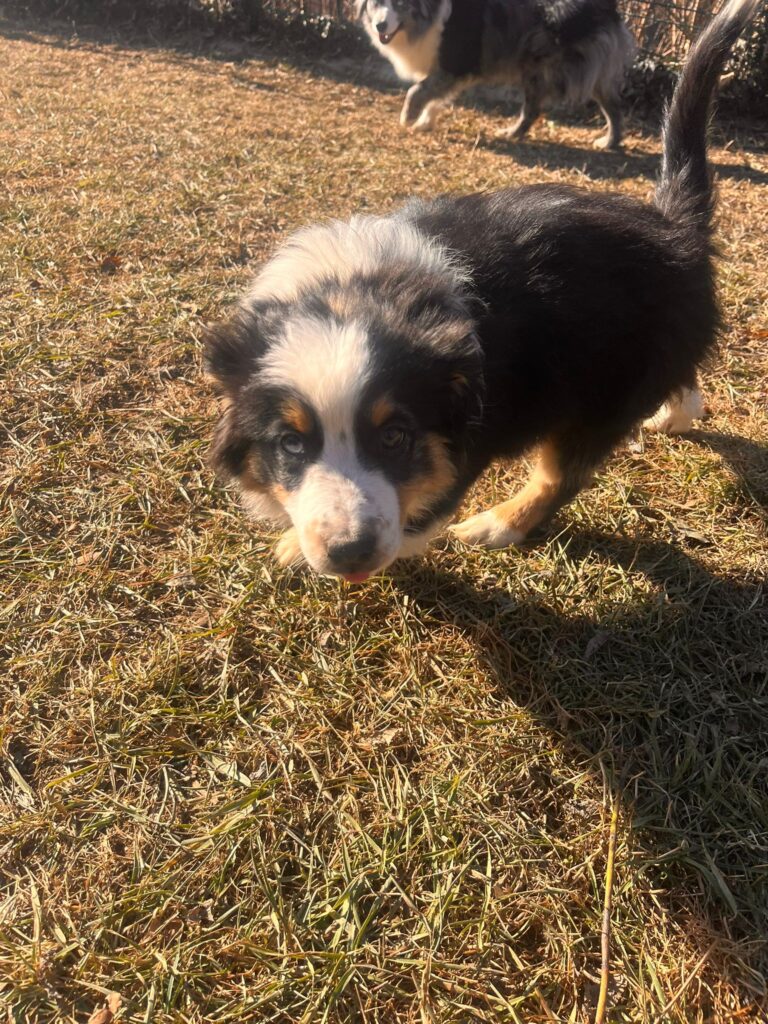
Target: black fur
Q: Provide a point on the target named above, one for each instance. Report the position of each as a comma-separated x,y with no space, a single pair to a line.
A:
566,50
598,307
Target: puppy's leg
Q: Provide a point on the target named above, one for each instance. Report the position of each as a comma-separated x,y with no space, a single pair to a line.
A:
562,470
529,112
422,97
677,414
609,102
288,550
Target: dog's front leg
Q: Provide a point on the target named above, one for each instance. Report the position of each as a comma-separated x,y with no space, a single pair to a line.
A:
423,100
288,549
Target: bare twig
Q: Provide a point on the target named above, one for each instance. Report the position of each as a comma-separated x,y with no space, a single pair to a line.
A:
606,928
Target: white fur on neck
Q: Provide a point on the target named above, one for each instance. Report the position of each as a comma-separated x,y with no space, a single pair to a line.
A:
414,60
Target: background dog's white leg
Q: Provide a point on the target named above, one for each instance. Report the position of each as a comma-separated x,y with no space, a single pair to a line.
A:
677,414
423,100
428,117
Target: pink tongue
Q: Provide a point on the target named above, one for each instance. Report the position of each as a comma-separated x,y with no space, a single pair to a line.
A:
356,577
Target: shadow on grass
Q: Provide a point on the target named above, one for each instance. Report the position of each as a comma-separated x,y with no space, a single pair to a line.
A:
747,459
603,166
668,697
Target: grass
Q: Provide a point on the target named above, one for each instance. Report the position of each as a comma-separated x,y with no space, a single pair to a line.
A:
232,793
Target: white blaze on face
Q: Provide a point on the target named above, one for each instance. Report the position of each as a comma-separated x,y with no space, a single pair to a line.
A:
384,18
338,500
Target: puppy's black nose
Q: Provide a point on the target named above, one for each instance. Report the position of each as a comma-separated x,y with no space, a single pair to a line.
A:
381,27
352,555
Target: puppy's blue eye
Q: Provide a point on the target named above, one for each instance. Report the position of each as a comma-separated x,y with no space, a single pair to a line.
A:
292,444
393,437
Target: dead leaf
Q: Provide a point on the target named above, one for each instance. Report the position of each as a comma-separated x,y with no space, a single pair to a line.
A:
382,739
102,1016
695,538
106,1014
387,737
598,640
110,264
201,914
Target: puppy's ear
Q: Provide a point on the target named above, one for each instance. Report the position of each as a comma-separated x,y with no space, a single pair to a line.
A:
358,8
466,387
229,448
232,349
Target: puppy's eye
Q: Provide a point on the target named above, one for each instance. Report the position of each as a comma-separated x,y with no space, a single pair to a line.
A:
393,437
292,443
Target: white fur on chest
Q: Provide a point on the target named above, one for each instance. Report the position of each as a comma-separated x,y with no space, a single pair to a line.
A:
414,60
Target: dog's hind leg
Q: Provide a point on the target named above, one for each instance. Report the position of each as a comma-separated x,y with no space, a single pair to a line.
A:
529,112
424,99
609,102
677,414
566,465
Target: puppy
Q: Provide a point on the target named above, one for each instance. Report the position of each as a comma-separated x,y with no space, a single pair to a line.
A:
376,367
565,50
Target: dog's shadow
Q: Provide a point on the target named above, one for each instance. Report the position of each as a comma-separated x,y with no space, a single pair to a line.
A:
601,165
670,692
748,460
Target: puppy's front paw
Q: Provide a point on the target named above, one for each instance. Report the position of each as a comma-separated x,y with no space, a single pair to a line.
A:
488,529
288,550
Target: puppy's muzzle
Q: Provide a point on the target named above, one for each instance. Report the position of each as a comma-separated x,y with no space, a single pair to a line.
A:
357,558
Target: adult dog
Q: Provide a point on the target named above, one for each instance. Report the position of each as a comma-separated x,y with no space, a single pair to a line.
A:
563,50
376,367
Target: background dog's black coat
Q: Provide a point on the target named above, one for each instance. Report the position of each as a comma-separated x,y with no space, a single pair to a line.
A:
481,32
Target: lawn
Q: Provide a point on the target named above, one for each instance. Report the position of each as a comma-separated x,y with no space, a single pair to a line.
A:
234,793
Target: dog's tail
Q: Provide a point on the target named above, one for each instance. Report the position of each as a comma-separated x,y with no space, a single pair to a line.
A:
685,191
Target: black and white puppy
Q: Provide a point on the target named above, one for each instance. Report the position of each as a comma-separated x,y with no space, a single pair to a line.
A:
563,50
376,367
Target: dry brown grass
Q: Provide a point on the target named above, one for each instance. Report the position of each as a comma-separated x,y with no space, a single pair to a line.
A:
231,793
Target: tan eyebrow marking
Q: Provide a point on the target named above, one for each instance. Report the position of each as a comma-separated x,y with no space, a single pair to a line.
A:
296,416
381,411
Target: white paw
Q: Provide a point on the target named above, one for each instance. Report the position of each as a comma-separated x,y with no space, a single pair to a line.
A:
288,550
487,529
424,124
508,134
605,142
414,544
677,415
